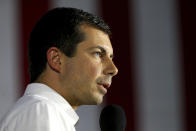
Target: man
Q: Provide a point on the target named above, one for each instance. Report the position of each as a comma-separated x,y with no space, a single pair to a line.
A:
70,64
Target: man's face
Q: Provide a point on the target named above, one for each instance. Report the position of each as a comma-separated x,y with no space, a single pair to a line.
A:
87,76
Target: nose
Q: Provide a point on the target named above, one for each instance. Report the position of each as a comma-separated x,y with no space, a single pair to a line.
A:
110,68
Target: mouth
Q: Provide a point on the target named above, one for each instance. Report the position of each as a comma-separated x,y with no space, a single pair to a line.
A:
103,87
106,85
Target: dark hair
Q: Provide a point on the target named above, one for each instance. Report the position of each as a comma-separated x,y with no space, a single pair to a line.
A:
59,28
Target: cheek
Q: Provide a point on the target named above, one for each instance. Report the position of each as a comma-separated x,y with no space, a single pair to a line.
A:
93,69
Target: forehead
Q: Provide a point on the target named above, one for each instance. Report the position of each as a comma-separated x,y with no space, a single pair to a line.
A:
95,37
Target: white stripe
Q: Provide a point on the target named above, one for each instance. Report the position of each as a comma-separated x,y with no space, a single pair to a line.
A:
158,66
9,71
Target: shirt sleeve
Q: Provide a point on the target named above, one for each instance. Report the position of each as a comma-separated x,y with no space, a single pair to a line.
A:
40,116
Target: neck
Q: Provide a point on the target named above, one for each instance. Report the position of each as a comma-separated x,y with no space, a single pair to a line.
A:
56,88
75,107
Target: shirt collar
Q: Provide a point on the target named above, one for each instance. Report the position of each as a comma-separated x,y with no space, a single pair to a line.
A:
46,92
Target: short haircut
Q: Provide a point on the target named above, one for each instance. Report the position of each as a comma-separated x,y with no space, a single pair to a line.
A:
59,27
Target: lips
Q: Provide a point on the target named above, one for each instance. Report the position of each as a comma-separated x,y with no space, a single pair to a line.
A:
105,85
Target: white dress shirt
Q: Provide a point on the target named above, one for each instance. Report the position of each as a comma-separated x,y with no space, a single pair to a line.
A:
40,109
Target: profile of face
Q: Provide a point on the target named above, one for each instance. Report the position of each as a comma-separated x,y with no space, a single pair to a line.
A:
87,76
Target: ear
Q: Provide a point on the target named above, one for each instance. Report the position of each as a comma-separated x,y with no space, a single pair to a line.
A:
54,59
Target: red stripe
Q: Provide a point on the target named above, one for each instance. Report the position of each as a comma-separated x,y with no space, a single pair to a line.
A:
117,15
188,28
31,11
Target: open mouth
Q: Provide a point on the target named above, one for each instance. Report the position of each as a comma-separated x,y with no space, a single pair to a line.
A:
104,87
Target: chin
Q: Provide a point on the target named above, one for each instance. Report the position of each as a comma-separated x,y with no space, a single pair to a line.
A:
95,102
99,100
95,99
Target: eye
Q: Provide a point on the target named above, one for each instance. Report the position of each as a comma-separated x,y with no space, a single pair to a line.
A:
99,54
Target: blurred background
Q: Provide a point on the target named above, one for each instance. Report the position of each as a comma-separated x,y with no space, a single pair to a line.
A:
154,47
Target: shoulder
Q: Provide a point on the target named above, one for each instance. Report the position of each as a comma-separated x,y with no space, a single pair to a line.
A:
30,113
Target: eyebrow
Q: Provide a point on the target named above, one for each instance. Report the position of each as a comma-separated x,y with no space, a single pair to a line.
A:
103,50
